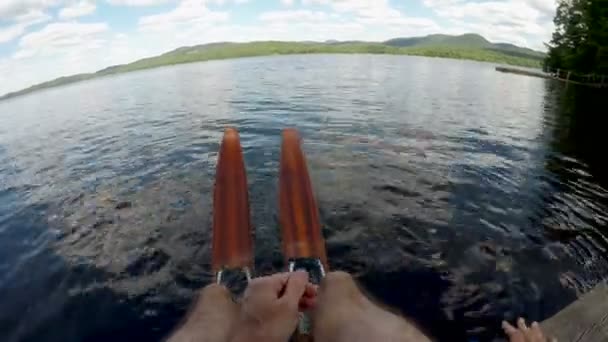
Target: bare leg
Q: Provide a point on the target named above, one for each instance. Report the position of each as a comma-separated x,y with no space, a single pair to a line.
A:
343,313
211,317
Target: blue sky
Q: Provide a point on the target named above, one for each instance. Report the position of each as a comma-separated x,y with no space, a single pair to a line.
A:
45,39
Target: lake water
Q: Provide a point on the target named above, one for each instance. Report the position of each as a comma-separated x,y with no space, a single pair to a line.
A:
456,194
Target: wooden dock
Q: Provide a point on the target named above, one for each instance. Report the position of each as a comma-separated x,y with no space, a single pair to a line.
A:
526,72
586,80
585,320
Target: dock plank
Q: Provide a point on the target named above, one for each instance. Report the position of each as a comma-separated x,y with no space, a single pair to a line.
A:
542,74
585,320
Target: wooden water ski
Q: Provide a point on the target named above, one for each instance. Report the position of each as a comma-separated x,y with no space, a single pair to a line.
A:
232,240
302,237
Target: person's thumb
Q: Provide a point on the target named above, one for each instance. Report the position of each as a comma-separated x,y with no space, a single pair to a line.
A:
295,288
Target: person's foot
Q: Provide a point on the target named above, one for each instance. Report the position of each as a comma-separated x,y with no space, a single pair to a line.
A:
523,333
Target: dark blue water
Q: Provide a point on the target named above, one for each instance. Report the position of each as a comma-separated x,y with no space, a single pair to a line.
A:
457,195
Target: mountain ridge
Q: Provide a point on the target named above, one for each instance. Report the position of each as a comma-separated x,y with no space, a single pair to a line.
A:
467,46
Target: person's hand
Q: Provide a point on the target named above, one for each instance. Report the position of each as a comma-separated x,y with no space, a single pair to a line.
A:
523,333
271,305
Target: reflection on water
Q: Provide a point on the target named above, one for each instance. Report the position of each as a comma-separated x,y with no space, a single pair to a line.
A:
457,195
575,210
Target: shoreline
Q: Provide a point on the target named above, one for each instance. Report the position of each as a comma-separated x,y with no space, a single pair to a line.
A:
211,54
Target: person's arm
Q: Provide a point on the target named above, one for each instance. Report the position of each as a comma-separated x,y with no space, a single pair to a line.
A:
343,313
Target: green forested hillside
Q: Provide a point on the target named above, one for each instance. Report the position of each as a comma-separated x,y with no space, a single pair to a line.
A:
470,46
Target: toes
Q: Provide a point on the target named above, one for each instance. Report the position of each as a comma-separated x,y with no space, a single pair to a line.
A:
536,333
521,324
508,328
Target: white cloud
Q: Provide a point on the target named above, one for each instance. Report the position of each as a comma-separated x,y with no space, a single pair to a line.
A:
62,49
56,38
364,8
20,24
192,13
547,7
346,20
138,2
375,12
304,25
77,9
9,33
10,9
32,17
294,15
287,2
523,22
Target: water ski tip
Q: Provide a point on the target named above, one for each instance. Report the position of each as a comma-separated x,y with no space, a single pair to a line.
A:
232,240
231,135
291,136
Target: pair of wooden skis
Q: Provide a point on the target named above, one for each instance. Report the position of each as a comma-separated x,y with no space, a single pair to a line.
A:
302,240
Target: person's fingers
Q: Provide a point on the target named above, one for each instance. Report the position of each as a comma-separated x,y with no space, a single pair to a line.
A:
521,324
311,290
309,297
508,328
274,283
307,304
536,333
277,283
515,335
295,288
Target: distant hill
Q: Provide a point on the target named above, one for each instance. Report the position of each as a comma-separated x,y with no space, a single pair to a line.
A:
469,41
467,46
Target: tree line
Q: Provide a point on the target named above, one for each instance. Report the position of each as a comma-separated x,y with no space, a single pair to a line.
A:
580,41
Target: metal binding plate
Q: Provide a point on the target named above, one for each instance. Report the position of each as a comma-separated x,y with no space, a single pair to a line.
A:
313,266
235,279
